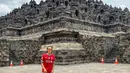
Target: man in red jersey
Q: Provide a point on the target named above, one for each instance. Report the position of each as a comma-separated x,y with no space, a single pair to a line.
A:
47,61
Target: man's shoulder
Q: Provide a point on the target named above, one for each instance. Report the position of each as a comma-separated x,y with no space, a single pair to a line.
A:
53,54
44,54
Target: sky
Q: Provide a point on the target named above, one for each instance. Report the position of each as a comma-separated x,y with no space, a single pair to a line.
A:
7,6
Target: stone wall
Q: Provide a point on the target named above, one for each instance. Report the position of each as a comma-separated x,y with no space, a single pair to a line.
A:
4,53
97,46
25,50
64,23
15,51
94,48
9,32
124,47
117,28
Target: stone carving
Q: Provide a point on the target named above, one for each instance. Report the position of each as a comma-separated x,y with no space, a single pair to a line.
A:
90,10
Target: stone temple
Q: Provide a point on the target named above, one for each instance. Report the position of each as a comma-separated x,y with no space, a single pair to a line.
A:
80,31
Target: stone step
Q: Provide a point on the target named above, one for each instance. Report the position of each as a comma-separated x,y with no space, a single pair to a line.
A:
112,60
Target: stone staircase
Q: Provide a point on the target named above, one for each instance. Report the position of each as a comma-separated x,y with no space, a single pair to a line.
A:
66,57
112,56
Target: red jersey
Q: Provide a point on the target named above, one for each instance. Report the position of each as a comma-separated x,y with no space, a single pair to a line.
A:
48,61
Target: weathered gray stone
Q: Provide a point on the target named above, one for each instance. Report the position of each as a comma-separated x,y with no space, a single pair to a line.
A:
4,53
98,46
96,26
124,47
24,50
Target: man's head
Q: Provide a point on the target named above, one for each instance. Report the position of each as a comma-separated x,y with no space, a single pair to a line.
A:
49,49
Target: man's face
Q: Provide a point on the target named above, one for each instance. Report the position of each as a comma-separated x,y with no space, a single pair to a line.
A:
49,49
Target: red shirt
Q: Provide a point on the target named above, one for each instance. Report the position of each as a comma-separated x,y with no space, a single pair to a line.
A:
48,61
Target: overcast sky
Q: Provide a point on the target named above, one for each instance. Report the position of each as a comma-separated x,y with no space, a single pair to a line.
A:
8,5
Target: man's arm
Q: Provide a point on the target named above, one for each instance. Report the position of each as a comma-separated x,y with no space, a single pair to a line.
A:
53,65
43,65
53,68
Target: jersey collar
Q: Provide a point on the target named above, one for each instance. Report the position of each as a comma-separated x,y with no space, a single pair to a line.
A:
48,54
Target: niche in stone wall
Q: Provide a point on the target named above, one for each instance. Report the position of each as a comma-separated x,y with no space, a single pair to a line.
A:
111,19
6,19
120,18
41,19
102,11
99,19
86,9
35,5
19,32
66,3
86,3
25,21
127,21
96,6
77,13
53,1
37,11
47,14
69,0
57,3
104,22
31,6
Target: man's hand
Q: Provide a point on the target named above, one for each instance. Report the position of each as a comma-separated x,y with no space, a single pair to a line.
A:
45,71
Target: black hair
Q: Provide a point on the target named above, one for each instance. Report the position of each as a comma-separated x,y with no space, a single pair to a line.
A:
50,46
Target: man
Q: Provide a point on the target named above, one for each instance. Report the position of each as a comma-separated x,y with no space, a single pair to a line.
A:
47,61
